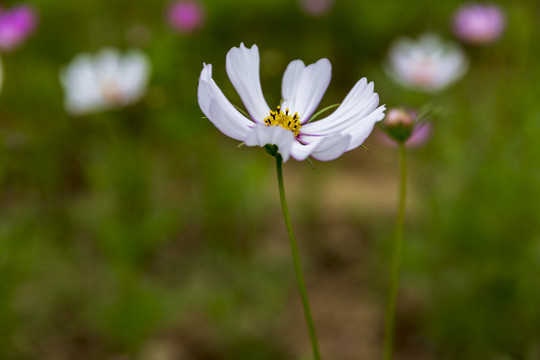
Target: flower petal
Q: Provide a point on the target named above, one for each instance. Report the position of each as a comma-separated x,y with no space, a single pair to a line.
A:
243,70
82,95
332,147
301,151
361,130
133,74
106,64
218,109
262,135
303,87
360,102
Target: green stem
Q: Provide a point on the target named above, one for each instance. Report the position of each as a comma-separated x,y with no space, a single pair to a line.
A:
396,258
296,260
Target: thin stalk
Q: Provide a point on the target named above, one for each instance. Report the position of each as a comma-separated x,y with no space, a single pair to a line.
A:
296,260
396,259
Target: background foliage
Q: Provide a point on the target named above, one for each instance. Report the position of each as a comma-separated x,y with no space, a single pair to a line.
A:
144,233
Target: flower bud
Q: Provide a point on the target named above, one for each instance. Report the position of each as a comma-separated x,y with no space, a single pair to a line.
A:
405,126
398,117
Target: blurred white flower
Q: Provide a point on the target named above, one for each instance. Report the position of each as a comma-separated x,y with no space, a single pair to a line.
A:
289,126
107,80
427,64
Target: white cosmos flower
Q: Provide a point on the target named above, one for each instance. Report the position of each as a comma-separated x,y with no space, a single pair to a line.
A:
104,81
427,64
288,127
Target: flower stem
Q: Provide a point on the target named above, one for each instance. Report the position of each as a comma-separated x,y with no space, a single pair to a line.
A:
296,260
396,258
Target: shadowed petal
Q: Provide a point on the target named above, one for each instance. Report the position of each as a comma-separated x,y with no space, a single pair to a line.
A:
323,148
361,130
243,70
218,109
262,135
303,87
301,152
331,147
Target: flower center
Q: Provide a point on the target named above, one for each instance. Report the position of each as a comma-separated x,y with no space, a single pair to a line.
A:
285,120
112,92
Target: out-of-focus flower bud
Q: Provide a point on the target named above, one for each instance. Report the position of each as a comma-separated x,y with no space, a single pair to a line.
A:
405,126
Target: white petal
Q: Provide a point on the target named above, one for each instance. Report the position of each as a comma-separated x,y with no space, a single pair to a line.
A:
218,109
262,135
291,79
243,70
332,147
363,128
105,66
359,103
301,151
81,93
303,87
133,75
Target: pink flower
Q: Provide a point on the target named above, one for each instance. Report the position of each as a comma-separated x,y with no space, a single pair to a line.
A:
478,23
186,16
316,7
16,25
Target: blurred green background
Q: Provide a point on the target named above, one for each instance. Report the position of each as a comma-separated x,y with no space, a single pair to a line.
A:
144,233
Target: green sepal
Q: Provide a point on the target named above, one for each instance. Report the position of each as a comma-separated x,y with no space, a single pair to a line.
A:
242,111
318,113
271,149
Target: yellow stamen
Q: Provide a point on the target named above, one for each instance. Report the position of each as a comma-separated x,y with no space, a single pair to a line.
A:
285,120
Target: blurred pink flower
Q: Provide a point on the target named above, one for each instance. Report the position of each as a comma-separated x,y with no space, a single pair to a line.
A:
479,23
316,7
16,25
186,16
